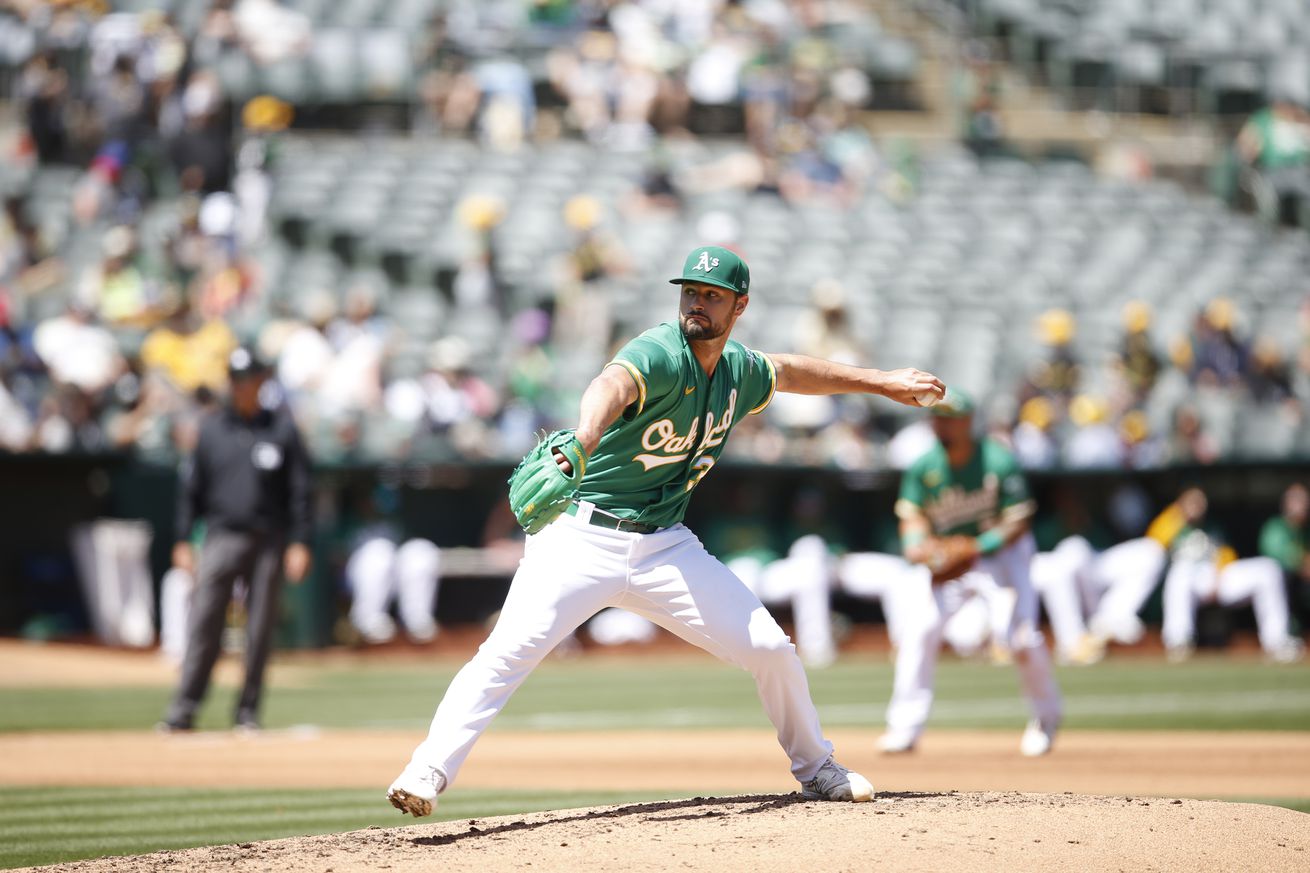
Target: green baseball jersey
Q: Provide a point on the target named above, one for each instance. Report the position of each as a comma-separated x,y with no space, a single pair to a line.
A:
965,500
652,457
1284,543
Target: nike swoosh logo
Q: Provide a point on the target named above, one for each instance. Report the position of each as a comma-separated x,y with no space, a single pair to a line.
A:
687,391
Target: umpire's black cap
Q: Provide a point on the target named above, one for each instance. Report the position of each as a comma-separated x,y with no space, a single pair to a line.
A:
243,363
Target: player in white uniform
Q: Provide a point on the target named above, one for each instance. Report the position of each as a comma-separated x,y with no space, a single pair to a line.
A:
651,425
385,567
1109,587
1202,570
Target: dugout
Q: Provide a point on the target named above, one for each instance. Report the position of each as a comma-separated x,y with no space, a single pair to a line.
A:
46,496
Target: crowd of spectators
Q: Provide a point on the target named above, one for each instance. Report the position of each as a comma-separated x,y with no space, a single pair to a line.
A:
122,293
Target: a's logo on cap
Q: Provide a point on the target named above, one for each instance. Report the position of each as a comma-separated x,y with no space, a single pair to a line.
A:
706,263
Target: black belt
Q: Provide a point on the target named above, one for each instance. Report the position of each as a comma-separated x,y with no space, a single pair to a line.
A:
612,523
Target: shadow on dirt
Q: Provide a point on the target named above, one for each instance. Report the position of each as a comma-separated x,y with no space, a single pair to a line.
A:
709,807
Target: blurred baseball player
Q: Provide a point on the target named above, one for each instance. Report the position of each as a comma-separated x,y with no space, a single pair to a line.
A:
965,515
386,566
1203,570
603,506
1284,538
1074,579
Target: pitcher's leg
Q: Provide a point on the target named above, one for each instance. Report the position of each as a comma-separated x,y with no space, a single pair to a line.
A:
680,586
563,580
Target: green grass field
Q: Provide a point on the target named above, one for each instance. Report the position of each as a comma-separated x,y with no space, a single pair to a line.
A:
1209,694
47,825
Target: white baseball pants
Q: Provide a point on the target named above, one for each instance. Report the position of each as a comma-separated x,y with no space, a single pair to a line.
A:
1001,580
878,576
379,571
1111,587
571,570
801,580
1258,580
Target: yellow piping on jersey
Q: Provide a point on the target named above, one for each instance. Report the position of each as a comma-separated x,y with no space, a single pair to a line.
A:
907,511
1019,511
773,384
636,377
1167,525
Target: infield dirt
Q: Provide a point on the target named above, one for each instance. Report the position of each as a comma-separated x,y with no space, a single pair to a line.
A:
906,832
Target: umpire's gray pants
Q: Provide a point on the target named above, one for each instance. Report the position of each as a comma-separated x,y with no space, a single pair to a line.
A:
225,557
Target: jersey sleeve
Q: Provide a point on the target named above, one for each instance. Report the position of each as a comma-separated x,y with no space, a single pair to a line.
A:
909,503
1016,501
759,381
1167,525
651,366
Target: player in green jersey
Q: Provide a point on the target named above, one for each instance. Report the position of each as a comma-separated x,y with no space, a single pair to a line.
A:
652,425
1284,539
972,487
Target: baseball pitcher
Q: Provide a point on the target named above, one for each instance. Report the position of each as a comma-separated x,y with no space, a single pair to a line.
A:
603,506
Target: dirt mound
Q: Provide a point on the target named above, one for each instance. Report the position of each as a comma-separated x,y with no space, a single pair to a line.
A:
906,832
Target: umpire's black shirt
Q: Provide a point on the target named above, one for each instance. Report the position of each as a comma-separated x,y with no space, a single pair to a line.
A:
247,475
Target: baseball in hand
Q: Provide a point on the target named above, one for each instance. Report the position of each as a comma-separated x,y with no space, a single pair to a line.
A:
928,398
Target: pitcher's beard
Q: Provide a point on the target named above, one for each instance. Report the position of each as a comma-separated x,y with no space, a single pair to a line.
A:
695,330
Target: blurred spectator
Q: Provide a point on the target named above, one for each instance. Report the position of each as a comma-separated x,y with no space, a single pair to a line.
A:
116,287
457,399
1142,449
1094,441
1217,356
824,330
77,351
189,351
1137,361
1270,380
1033,445
1274,145
1057,376
1189,443
44,88
977,94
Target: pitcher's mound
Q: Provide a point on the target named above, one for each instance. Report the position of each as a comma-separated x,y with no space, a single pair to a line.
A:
905,832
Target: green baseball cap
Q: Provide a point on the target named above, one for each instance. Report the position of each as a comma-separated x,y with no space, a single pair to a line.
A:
715,265
956,404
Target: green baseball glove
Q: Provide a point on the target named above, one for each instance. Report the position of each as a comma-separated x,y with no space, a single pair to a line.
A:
538,489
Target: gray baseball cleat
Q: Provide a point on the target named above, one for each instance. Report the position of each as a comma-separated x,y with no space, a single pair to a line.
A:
415,789
835,782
